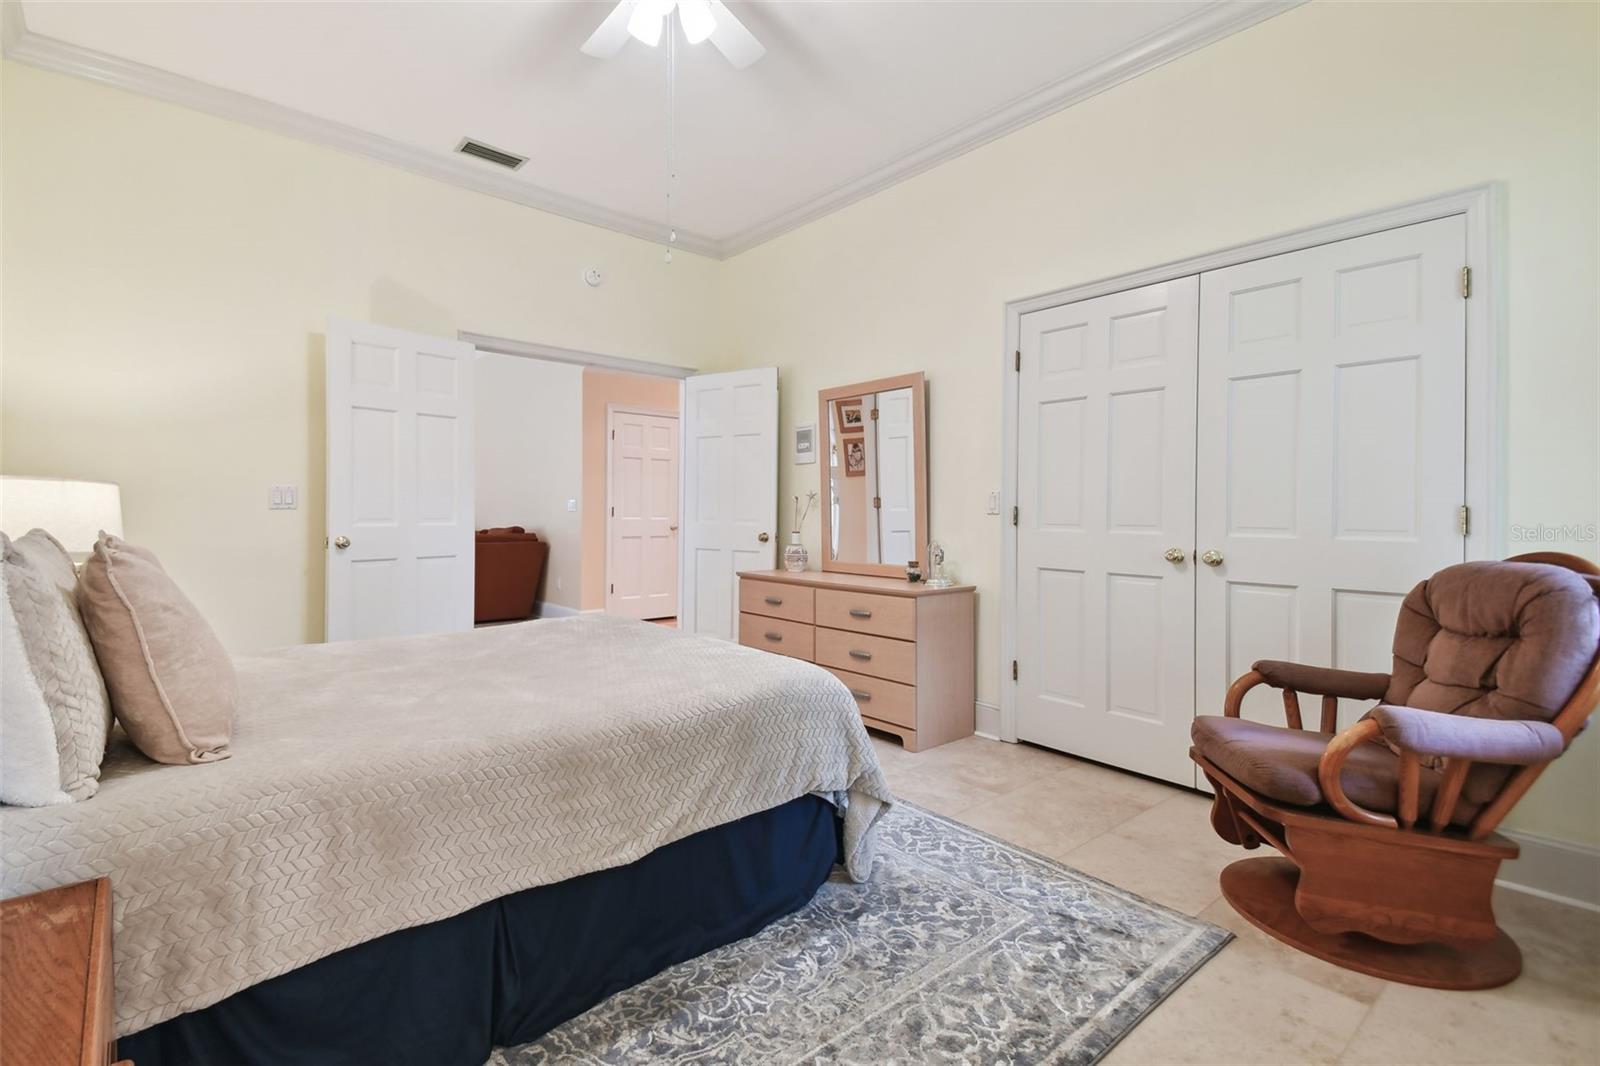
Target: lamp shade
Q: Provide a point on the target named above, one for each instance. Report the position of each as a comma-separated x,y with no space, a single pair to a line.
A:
74,512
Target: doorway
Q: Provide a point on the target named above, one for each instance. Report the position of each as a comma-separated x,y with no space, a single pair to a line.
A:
642,514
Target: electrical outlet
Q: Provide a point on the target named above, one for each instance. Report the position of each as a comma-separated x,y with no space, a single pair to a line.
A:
283,498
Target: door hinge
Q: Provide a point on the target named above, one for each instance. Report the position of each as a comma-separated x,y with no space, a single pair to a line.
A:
1019,360
1014,515
877,503
613,588
1466,282
874,414
613,512
1013,669
1464,519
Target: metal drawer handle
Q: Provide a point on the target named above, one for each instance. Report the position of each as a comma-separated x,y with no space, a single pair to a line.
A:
860,612
864,697
776,601
775,636
855,654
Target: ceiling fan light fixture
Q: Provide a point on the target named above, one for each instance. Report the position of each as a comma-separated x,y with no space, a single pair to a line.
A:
645,23
697,20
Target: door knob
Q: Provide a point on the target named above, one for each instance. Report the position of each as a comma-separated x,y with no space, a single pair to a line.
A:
341,543
1211,557
672,529
762,537
1173,555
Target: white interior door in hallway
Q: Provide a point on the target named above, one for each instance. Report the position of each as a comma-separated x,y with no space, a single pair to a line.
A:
400,482
1294,426
642,514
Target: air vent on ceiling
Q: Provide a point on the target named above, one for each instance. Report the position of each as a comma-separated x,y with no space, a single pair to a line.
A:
468,146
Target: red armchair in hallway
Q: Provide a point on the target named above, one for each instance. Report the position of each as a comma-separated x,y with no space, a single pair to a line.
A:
510,561
1387,829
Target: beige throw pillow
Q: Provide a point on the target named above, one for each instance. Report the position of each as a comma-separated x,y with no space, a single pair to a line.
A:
172,685
56,714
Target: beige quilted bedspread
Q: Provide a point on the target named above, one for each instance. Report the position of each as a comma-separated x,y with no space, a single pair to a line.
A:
383,784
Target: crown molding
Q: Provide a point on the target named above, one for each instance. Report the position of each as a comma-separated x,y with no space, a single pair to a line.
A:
1204,27
50,54
1210,24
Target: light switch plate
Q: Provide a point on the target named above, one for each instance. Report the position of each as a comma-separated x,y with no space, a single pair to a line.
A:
994,503
572,505
283,498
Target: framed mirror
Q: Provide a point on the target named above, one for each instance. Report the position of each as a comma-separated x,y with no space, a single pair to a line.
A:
875,475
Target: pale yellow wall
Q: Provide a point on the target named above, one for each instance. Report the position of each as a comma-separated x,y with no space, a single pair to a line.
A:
529,448
168,277
1328,110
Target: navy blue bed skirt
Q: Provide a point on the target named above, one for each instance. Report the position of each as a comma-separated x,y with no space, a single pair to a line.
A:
510,970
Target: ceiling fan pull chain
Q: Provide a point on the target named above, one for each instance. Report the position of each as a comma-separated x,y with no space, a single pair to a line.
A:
672,126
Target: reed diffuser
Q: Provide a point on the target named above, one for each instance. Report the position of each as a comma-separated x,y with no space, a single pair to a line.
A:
795,556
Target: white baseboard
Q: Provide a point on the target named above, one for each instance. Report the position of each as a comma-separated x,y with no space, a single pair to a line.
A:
987,720
553,610
1554,869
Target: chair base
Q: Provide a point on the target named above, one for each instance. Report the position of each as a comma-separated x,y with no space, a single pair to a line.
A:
1263,891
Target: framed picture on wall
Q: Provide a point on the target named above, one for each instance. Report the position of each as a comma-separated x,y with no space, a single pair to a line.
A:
805,443
855,458
852,416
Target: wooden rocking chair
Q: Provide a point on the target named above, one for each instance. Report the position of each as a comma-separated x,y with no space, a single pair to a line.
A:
1387,829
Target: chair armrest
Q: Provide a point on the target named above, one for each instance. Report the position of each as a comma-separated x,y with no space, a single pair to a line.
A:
1452,736
1332,764
1323,680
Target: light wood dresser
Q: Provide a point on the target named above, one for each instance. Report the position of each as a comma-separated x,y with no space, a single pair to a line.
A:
904,650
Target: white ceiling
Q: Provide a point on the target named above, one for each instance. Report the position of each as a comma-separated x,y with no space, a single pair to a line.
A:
850,96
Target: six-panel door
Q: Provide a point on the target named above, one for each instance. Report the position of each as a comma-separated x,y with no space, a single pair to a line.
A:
1105,488
1331,452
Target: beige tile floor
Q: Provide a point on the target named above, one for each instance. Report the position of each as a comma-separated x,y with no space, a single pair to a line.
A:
1259,1001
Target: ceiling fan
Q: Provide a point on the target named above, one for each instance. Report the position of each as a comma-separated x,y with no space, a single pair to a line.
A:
701,19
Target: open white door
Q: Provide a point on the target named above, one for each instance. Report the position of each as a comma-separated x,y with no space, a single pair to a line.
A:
730,492
399,493
642,515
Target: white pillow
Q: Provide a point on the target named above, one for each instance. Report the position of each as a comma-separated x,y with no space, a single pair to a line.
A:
50,661
30,769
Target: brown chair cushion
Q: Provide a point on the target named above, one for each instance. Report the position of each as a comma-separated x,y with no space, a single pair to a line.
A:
1494,640
1281,764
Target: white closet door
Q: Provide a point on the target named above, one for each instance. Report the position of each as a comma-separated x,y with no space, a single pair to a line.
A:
642,516
896,476
399,489
1331,451
1106,484
730,492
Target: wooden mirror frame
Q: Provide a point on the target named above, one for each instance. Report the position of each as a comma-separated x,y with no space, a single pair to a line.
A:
917,383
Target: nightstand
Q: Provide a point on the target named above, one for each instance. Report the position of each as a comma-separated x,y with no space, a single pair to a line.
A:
55,976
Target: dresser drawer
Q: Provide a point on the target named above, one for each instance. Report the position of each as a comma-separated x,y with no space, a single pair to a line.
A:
861,653
888,701
868,612
776,600
776,634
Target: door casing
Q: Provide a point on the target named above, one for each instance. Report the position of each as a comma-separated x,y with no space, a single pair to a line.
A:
1483,209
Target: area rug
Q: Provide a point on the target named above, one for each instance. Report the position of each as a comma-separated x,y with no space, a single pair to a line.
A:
960,949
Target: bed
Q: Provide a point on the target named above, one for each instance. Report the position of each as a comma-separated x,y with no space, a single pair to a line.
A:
382,792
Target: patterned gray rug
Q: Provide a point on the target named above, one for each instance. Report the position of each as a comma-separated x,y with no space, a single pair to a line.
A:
961,949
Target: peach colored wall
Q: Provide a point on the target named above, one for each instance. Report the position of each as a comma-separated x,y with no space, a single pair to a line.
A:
602,387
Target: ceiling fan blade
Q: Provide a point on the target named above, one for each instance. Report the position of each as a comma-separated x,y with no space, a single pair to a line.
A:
608,40
735,42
